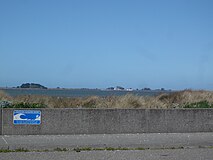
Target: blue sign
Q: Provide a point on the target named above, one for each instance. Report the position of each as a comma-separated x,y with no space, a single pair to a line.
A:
27,117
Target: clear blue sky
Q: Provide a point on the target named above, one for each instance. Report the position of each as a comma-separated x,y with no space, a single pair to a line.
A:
103,43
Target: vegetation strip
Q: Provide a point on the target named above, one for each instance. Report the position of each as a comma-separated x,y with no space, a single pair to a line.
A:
15,150
180,99
78,149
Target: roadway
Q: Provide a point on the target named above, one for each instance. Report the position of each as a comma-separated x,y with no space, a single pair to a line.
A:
152,140
157,146
179,154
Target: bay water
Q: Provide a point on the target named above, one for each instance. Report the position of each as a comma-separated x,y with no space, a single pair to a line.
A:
79,92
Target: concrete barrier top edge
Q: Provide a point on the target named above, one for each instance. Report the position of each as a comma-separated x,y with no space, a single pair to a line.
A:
105,109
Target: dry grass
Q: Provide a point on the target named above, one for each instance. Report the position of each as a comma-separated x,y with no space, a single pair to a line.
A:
178,99
172,100
4,96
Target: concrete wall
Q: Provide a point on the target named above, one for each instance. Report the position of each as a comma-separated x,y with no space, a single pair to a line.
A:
0,121
113,121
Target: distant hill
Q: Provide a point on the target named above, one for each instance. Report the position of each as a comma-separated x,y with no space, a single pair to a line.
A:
32,85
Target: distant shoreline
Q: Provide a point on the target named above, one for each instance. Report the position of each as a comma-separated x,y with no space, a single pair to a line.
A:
141,90
78,92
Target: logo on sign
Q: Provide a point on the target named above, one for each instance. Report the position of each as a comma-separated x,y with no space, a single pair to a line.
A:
27,117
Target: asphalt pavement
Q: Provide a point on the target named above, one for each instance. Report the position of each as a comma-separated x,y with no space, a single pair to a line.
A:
165,154
151,140
153,146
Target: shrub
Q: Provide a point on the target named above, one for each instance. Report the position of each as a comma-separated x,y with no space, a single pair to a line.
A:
26,105
5,104
201,104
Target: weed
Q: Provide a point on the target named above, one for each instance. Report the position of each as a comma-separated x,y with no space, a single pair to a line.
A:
5,150
77,149
60,149
86,149
110,149
102,149
16,150
201,104
21,150
140,148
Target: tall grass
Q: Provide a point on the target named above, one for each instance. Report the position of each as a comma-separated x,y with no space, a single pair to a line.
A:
4,96
180,99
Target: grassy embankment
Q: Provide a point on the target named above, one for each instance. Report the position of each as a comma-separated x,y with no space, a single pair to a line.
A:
181,99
